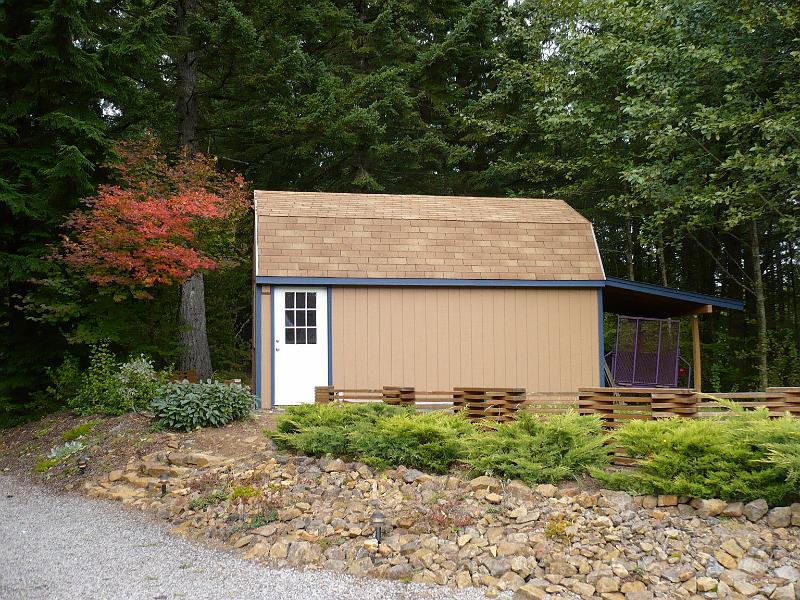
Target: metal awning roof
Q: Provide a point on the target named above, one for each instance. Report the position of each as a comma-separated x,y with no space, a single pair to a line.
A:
637,299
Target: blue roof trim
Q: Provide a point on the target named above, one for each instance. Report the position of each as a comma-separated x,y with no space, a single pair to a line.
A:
657,290
611,282
591,283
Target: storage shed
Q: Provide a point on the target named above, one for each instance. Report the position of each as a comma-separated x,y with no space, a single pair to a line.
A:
431,292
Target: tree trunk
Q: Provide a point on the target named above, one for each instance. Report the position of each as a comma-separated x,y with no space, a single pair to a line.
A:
196,355
662,260
186,106
629,247
194,340
761,307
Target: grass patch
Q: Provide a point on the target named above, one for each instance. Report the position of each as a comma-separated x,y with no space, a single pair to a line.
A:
79,431
40,433
45,464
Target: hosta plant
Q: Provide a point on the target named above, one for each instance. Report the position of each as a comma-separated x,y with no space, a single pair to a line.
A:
185,406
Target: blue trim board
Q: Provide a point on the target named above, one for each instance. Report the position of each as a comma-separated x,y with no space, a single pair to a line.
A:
657,290
272,346
257,357
611,282
327,281
600,332
330,341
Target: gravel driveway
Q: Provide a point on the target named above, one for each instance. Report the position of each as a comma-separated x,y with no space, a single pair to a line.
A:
72,547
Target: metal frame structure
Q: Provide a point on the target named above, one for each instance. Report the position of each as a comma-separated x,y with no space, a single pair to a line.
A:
647,352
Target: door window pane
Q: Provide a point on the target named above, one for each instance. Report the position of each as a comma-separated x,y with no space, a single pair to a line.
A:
300,318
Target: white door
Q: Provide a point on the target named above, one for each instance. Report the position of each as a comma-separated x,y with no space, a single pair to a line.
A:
301,343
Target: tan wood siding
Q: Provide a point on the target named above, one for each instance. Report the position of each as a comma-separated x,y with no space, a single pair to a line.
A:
541,339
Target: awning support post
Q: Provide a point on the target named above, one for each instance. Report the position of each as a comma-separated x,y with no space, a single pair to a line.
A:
697,367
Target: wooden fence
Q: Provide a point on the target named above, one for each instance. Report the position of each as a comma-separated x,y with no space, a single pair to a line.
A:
498,404
614,406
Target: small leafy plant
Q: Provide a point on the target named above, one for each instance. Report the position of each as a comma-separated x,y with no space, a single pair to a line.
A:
65,450
261,519
244,492
108,387
185,406
99,388
556,526
450,513
203,502
58,454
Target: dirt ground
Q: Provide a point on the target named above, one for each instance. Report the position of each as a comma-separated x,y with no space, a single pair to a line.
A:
115,441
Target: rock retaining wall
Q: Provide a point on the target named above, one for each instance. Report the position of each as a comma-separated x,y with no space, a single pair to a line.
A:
546,542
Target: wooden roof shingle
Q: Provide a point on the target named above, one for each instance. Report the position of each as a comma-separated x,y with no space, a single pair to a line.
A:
318,234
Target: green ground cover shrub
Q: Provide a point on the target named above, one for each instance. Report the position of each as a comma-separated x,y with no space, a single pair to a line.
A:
429,441
530,448
185,406
539,450
744,456
319,429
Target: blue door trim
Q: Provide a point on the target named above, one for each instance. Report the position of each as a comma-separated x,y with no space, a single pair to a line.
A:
272,346
330,342
258,341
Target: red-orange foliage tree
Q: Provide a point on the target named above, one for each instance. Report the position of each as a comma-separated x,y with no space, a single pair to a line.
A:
158,224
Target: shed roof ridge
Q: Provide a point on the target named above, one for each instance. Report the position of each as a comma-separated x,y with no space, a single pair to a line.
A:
568,213
449,219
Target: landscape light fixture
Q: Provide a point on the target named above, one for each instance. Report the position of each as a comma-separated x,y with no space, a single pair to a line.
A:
83,462
378,520
163,478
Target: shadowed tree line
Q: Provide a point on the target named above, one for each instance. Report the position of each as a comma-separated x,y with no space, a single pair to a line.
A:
673,126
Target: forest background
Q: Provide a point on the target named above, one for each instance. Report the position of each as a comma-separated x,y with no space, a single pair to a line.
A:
673,125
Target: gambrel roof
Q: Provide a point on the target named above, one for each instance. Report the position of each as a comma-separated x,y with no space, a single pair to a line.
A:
320,234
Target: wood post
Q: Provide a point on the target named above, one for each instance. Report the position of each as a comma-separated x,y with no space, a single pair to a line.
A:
403,396
323,394
791,399
698,367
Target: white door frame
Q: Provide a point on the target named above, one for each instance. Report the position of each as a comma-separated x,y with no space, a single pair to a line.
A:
297,365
